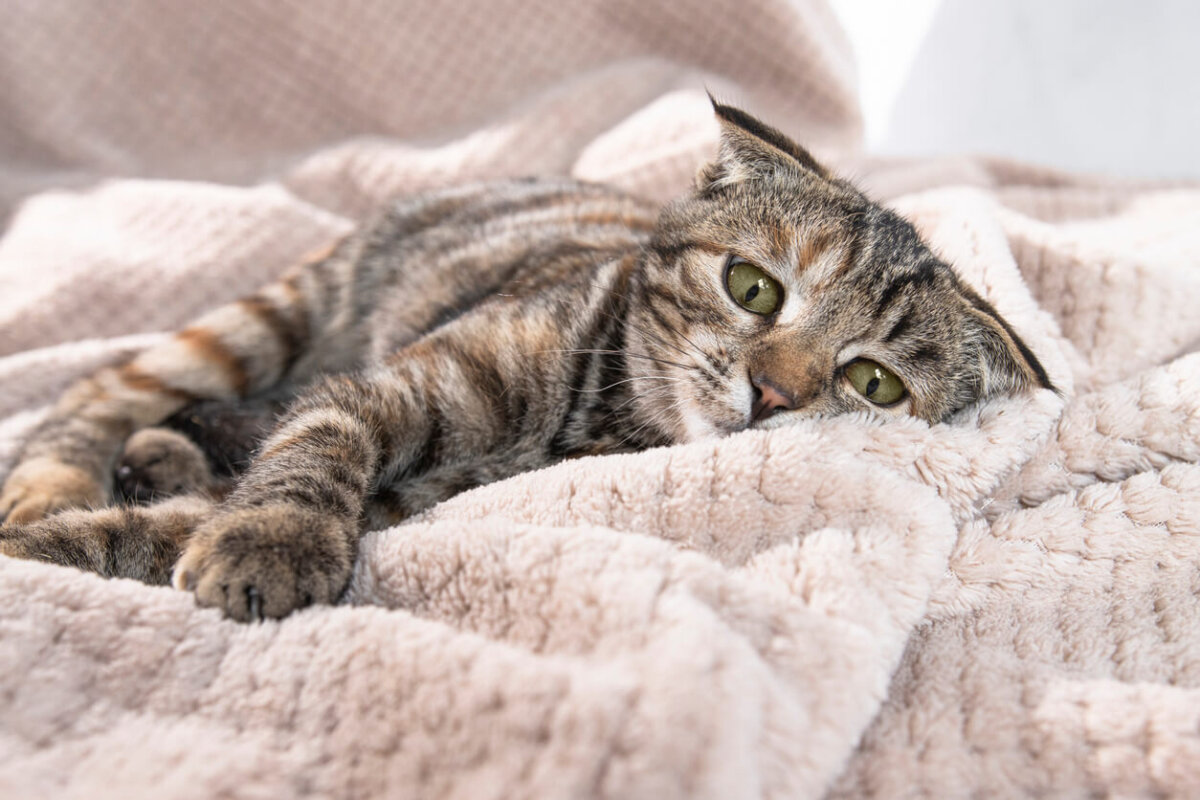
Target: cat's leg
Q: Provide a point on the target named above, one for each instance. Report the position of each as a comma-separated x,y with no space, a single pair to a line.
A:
142,543
288,533
483,397
234,351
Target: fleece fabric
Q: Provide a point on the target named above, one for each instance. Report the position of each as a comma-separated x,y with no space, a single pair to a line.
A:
1005,605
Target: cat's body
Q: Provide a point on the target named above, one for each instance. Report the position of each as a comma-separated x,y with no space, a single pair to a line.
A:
479,332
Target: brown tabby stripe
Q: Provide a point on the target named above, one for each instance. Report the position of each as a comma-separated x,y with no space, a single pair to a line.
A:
691,310
928,353
853,254
327,278
670,251
140,380
626,221
899,328
922,276
138,543
291,337
779,241
529,197
208,346
814,246
526,219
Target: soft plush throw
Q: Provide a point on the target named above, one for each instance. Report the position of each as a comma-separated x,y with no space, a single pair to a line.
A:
1002,606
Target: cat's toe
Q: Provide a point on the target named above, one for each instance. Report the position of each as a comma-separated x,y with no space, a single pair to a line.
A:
265,563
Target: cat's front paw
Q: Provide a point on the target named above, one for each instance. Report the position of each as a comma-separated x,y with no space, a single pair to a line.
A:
268,561
37,488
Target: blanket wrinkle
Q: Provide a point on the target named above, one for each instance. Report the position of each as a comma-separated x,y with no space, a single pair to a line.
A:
1004,605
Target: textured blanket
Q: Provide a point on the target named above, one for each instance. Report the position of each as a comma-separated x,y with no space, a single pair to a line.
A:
1005,605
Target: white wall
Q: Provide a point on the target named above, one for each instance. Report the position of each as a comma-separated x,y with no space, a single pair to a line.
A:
1108,86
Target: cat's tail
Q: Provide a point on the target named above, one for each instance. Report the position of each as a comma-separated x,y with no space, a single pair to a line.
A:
242,348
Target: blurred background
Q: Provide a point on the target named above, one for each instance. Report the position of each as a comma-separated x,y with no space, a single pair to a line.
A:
1105,86
397,95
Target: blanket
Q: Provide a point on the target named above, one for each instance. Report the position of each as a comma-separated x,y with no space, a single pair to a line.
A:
1004,605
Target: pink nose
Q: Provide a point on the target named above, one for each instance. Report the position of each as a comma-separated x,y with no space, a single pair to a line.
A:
768,399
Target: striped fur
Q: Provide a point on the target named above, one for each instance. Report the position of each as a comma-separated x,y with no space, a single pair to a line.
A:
477,332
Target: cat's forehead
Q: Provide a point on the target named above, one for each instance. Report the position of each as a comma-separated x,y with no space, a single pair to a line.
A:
859,243
782,230
813,233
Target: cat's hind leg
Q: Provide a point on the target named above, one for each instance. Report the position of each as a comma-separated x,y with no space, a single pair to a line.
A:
136,542
201,449
158,463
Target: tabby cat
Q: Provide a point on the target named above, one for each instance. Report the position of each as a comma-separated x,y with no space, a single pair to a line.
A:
474,333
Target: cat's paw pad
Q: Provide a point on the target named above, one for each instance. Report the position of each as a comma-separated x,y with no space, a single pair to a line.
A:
41,486
158,463
267,562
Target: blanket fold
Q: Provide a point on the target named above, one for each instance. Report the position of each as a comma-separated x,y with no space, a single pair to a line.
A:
1007,604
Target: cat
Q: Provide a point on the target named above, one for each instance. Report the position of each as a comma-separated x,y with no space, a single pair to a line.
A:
481,331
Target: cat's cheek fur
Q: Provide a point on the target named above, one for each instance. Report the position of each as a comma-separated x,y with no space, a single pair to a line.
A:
695,425
719,416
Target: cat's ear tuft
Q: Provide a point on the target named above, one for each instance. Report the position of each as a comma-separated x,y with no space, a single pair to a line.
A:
750,148
1006,364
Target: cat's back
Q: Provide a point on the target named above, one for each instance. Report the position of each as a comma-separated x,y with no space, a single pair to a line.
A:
429,258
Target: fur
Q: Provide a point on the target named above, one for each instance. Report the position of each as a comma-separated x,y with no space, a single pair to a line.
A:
478,332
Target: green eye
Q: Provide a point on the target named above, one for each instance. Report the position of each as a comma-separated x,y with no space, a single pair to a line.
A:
875,382
753,289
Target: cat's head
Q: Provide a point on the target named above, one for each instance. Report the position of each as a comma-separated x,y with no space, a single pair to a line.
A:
776,290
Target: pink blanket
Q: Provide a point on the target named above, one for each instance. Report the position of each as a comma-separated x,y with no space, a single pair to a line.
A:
1005,605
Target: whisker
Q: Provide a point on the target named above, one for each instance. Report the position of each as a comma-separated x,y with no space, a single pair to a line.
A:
625,321
699,350
630,380
646,332
637,431
615,353
654,393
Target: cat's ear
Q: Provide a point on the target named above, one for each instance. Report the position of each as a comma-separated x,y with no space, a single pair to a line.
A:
1006,364
749,149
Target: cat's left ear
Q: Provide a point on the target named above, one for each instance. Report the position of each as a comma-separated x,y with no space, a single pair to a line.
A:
1006,363
751,149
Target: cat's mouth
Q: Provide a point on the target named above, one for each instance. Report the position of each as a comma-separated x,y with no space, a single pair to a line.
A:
760,410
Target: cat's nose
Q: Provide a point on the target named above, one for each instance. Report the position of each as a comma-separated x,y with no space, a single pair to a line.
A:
768,399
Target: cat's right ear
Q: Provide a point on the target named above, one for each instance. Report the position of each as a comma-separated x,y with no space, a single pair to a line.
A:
751,149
